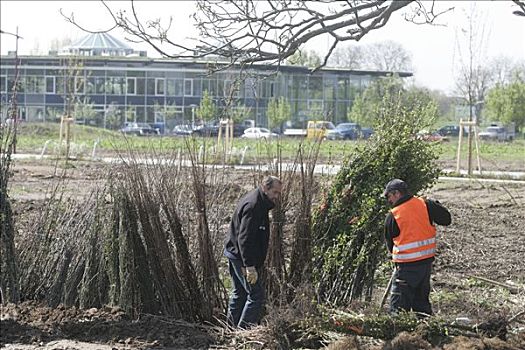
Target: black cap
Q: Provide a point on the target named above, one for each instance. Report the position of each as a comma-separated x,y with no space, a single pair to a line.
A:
395,184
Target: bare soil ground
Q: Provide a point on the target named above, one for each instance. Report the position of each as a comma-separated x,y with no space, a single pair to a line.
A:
479,275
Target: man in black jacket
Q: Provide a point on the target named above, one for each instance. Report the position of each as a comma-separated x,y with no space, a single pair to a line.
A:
246,247
410,236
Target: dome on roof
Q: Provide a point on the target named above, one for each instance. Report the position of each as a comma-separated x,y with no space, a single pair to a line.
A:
98,44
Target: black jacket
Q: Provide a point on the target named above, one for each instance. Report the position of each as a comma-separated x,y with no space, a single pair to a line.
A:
250,229
437,213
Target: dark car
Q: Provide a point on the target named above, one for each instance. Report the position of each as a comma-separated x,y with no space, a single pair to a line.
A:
238,130
366,133
345,131
139,129
211,129
450,130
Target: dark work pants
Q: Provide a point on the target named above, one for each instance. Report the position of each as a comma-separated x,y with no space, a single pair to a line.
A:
246,300
411,288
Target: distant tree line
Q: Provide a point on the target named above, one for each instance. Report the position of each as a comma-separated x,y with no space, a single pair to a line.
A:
384,56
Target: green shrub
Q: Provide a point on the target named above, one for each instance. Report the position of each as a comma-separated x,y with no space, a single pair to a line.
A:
348,224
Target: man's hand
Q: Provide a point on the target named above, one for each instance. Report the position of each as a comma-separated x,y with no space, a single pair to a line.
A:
251,274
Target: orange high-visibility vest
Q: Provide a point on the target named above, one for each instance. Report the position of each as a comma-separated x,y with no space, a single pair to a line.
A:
417,237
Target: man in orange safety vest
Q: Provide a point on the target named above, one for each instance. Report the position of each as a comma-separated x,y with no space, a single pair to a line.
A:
410,236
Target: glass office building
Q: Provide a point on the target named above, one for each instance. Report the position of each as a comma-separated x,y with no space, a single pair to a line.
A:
105,83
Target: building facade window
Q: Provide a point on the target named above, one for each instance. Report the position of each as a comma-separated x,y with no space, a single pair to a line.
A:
355,87
117,85
90,86
141,86
34,84
197,87
315,87
329,85
3,83
150,86
342,89
231,89
316,105
159,86
210,85
188,87
60,86
300,87
131,86
365,81
271,89
80,85
174,87
99,85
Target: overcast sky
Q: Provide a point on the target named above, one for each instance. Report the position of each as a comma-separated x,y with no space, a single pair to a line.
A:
434,49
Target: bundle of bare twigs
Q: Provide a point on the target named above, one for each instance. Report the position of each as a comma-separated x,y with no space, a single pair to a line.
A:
141,241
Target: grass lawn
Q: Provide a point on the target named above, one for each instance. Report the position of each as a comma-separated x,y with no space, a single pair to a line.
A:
33,136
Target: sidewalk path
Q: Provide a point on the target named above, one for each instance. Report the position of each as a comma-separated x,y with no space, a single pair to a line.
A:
320,169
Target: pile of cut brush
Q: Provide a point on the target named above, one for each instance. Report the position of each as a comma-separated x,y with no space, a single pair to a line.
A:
335,329
35,323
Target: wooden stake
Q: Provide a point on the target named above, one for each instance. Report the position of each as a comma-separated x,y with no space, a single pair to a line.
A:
458,158
512,289
387,289
473,128
476,141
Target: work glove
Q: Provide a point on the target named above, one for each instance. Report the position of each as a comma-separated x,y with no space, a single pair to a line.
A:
251,274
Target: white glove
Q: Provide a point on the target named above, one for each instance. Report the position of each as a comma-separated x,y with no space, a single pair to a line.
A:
251,275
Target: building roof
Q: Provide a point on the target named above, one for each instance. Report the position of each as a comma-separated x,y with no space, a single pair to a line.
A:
99,41
168,63
99,44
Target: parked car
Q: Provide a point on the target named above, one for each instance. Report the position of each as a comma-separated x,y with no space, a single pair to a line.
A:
139,129
294,128
366,133
449,130
211,129
160,127
182,130
499,132
334,134
345,131
318,128
258,133
238,130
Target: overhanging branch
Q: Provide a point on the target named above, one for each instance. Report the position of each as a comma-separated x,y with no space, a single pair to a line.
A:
250,31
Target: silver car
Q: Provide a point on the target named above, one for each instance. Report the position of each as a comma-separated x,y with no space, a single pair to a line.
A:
139,129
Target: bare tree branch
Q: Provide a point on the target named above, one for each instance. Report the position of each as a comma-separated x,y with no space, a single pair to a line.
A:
521,5
71,19
250,31
428,16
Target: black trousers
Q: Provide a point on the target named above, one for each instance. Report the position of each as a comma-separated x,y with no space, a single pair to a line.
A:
411,288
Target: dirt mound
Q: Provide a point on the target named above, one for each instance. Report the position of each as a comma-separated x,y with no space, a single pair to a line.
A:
32,323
